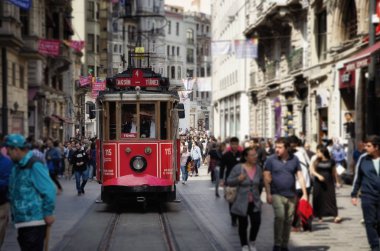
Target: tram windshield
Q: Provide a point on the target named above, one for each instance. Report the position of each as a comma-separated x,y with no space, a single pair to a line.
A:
138,120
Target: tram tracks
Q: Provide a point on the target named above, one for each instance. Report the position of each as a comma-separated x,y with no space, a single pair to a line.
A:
129,224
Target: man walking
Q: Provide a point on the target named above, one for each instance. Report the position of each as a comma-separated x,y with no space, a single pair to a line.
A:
229,160
367,180
79,161
279,178
32,194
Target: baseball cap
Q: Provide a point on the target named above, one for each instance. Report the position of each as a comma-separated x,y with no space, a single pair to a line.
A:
15,140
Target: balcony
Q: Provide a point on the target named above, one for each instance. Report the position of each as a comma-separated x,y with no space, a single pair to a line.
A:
190,41
271,71
295,60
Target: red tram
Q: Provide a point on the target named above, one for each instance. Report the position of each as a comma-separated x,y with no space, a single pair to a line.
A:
138,148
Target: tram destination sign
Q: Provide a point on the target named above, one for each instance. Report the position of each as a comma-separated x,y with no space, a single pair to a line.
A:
137,79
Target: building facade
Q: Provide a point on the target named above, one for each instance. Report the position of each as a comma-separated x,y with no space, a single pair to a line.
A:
311,69
38,92
230,74
188,40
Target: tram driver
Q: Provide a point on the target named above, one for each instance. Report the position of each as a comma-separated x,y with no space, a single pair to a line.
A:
147,125
130,124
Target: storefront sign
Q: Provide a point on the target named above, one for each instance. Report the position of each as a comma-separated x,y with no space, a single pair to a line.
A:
358,64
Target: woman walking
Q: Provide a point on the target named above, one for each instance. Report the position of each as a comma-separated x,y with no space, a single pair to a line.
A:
185,159
324,198
246,176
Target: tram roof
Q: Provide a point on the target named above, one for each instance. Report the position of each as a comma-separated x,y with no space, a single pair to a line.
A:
137,96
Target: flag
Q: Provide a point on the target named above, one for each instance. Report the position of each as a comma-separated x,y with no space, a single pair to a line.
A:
220,47
188,84
77,45
23,4
246,48
49,47
184,95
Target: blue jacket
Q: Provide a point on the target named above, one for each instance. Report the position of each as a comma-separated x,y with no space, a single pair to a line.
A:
367,179
5,171
31,193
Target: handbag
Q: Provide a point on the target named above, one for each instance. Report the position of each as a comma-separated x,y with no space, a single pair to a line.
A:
230,192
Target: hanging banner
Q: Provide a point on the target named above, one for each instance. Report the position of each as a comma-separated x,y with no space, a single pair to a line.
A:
99,85
77,45
85,80
246,48
220,47
23,4
49,47
204,84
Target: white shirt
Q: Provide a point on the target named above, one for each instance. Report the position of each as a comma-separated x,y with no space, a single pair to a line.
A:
305,164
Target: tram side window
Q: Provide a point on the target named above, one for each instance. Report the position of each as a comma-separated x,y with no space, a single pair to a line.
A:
129,121
147,121
163,120
112,120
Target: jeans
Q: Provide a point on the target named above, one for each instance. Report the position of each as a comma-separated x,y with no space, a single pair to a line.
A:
184,172
197,164
255,219
31,238
78,175
371,213
90,171
283,216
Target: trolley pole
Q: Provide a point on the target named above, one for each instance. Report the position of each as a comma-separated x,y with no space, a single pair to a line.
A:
4,110
370,88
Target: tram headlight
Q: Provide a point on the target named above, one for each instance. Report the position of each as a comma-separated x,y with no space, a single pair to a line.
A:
138,164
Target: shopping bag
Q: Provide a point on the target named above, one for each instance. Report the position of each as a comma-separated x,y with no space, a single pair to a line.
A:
305,212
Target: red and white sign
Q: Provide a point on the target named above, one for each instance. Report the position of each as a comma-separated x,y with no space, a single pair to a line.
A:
109,161
358,64
99,85
128,135
83,80
77,45
49,47
137,80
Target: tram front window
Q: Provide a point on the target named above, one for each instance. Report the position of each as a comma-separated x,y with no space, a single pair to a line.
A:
129,121
147,121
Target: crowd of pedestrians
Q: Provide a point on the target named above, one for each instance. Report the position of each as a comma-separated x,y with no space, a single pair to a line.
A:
290,171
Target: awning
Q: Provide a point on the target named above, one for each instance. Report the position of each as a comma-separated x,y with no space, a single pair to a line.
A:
362,58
